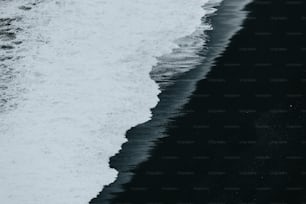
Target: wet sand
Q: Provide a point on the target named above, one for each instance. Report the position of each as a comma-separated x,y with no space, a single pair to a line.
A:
240,137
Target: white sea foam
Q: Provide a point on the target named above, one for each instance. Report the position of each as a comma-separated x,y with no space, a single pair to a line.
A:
83,81
188,54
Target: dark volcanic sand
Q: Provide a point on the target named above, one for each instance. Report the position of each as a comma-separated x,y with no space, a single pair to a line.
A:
242,136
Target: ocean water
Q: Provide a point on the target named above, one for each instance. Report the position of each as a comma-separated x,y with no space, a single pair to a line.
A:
75,76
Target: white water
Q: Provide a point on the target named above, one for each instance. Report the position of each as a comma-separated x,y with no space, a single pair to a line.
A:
82,83
189,52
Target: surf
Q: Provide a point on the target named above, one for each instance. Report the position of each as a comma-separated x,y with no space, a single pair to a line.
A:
81,80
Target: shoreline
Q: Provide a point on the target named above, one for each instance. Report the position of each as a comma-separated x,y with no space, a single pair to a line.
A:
241,136
142,138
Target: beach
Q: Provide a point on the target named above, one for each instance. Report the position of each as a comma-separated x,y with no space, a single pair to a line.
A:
239,136
162,101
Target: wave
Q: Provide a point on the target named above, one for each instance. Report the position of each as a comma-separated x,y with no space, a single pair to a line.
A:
187,55
79,79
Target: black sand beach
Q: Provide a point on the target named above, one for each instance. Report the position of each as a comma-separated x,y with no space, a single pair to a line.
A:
241,136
